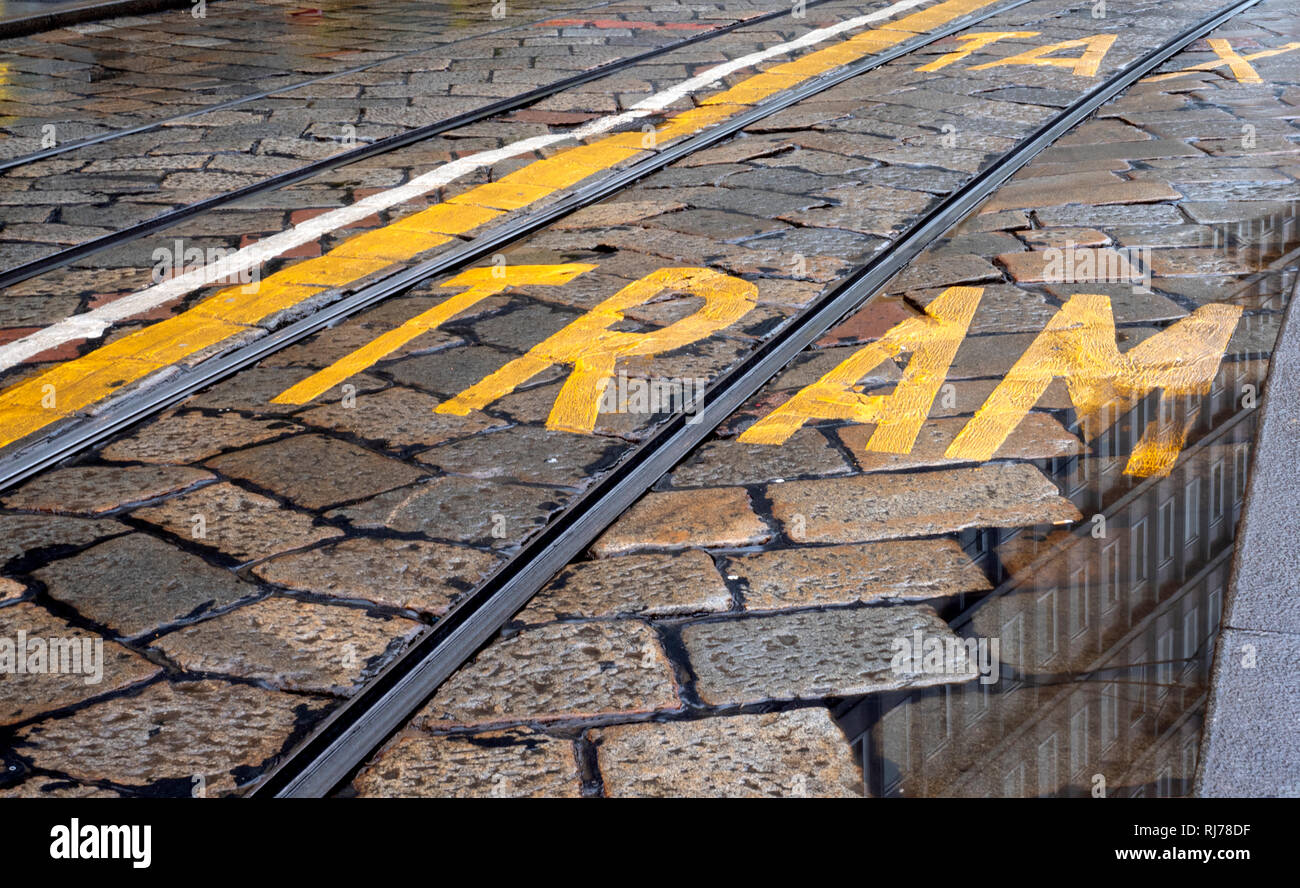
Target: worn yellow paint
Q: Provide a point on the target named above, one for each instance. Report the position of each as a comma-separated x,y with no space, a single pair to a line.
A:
592,348
932,340
973,43
1238,64
78,383
445,218
331,271
222,316
1078,344
1085,65
390,243
481,283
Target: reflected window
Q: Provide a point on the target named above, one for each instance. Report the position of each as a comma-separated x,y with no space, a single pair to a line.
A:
1079,741
1079,601
1138,550
1013,646
1047,766
1110,575
1164,661
1109,714
1165,532
1013,782
1216,492
1192,511
1049,625
1191,633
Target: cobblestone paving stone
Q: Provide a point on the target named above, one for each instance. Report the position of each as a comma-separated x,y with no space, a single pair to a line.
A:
782,754
519,763
585,657
169,734
26,695
808,655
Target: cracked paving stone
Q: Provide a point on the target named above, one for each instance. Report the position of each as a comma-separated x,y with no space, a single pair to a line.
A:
1201,262
1082,216
315,471
868,323
810,655
617,213
948,271
1002,308
728,463
136,583
892,506
452,371
93,490
243,525
680,519
814,576
171,732
252,390
534,405
495,764
291,645
1087,262
1038,436
781,754
527,453
460,509
399,417
42,787
1093,189
187,438
411,574
20,534
70,678
631,586
558,671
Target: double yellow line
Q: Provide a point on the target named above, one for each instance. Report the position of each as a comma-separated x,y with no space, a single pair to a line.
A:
64,390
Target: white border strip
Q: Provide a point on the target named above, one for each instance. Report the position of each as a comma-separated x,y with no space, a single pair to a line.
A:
93,323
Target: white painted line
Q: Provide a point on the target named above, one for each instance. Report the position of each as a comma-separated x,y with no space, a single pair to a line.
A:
93,323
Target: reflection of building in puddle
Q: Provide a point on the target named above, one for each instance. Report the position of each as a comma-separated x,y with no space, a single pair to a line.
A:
1106,632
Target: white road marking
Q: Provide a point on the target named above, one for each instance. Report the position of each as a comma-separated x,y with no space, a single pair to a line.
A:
93,323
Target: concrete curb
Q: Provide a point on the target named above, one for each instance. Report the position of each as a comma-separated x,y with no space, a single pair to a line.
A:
77,13
1251,742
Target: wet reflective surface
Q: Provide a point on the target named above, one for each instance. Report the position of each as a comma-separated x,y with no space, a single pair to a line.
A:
1105,633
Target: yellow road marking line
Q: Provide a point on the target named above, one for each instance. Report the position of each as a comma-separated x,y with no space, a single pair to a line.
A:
482,282
932,339
1239,65
973,43
84,381
1085,65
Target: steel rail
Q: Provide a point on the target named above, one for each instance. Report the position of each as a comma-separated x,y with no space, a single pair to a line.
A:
327,757
68,255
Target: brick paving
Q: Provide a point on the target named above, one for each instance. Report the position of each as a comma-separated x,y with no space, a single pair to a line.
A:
708,619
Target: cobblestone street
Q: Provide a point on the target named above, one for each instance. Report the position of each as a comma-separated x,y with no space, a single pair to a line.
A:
317,336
